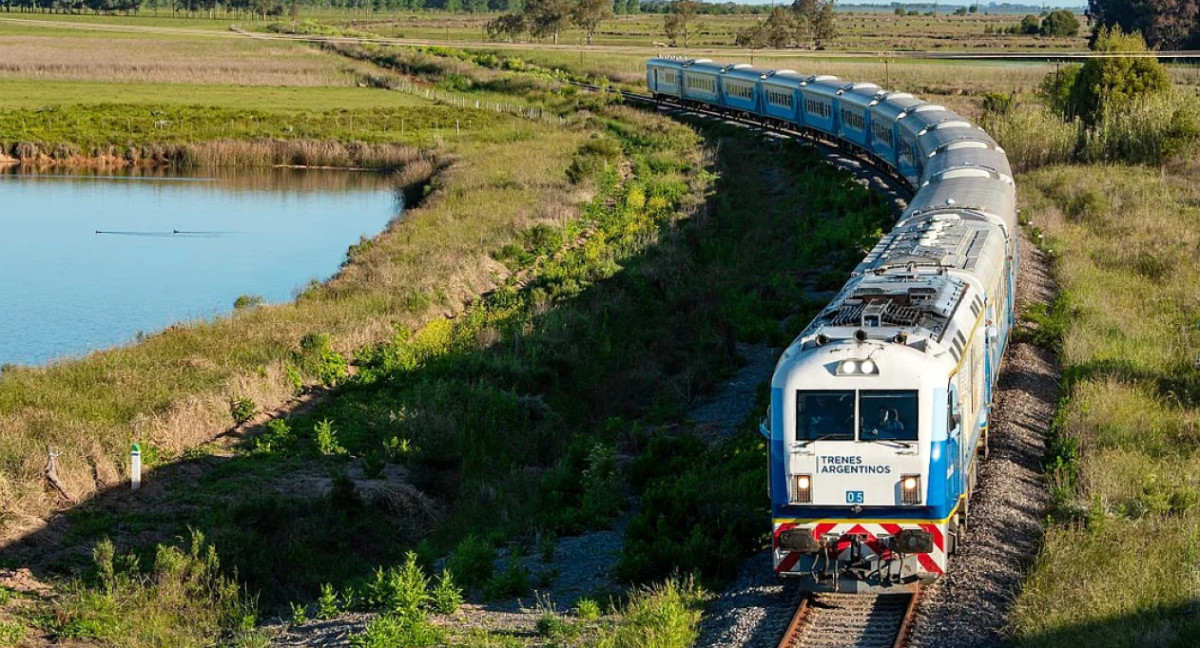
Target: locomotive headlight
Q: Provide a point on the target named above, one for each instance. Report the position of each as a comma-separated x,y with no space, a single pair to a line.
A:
857,368
802,491
910,489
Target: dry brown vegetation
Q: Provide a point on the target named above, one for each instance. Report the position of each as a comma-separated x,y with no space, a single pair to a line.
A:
174,60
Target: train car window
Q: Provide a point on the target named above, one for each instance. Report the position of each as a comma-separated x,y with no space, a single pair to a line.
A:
888,415
825,415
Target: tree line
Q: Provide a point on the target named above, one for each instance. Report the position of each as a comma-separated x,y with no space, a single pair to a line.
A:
1165,24
282,7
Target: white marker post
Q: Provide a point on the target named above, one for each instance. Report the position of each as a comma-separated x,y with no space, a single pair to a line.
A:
135,467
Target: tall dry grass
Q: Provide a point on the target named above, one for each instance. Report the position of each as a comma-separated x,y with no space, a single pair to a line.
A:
168,60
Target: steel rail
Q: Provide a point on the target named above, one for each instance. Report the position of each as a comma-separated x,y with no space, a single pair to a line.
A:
852,621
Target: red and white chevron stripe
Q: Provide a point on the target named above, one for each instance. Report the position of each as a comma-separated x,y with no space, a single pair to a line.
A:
787,562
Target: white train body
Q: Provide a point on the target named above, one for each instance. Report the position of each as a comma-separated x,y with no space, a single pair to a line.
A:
880,408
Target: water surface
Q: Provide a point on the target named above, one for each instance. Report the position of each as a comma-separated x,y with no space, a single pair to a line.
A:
89,261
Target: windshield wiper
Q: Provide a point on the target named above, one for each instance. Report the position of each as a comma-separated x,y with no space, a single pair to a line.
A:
804,443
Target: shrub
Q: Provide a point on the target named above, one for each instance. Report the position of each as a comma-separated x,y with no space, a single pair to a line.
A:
512,582
242,409
317,358
393,631
1113,83
299,613
409,589
1060,23
325,437
447,596
183,599
327,604
998,103
1056,88
1030,24
587,609
664,616
247,301
473,561
277,436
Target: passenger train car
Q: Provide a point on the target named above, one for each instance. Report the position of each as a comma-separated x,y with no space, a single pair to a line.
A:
879,409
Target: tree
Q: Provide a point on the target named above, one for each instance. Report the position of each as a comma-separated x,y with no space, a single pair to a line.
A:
677,23
510,26
824,28
777,31
547,17
1111,83
588,14
1031,24
1061,22
1165,24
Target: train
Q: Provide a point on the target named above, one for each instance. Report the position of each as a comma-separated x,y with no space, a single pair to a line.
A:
879,410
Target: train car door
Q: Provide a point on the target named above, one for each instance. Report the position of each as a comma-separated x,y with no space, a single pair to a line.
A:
954,442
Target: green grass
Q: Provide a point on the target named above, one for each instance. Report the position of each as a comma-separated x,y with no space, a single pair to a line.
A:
30,94
1124,240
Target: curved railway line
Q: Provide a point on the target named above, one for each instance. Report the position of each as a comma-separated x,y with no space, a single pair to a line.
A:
829,620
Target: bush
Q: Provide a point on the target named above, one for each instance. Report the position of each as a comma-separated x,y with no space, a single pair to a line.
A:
512,582
247,301
1030,24
327,604
1113,83
392,631
664,616
587,609
473,561
325,437
242,409
184,599
1060,23
447,596
317,358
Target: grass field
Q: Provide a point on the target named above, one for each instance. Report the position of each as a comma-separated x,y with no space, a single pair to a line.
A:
1124,465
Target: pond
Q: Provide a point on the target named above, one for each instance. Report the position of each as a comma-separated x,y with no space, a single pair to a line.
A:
89,261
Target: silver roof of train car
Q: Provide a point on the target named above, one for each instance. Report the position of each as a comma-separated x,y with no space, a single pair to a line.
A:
742,71
968,153
892,104
674,62
826,86
947,132
972,189
783,78
704,66
859,94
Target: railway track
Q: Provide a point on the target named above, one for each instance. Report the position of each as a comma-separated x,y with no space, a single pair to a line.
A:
852,621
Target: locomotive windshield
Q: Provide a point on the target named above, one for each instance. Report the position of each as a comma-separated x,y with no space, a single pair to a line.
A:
881,415
887,415
825,415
